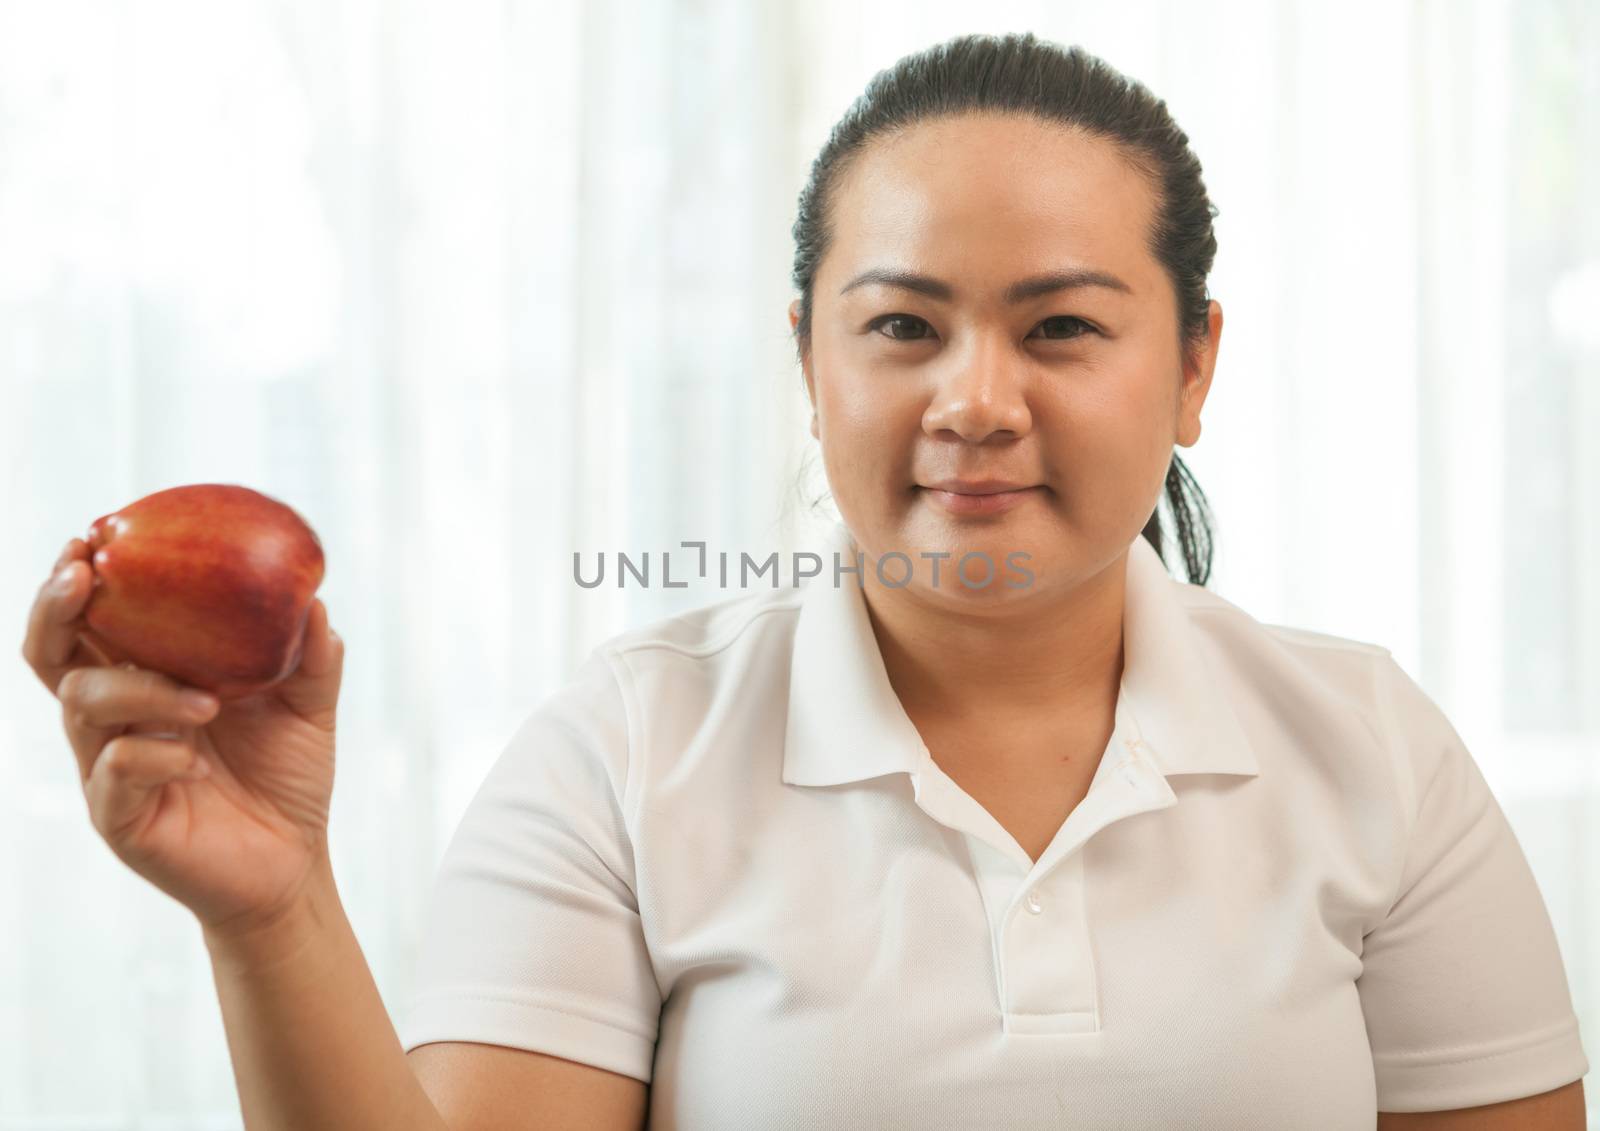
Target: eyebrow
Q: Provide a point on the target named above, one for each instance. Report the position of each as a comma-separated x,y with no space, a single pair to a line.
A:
1018,292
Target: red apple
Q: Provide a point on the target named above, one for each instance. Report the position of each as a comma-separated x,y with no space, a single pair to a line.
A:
209,583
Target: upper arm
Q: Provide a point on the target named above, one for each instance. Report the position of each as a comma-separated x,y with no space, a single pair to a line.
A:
1560,1110
532,937
1462,985
479,1087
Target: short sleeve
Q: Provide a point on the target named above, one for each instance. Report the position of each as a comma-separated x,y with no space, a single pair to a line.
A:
1462,985
531,936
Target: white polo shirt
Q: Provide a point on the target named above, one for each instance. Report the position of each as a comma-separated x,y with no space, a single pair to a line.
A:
721,861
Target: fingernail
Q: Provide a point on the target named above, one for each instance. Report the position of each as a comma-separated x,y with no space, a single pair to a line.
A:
62,582
199,769
198,702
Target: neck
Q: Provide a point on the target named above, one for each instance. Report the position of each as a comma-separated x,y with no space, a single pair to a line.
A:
1052,654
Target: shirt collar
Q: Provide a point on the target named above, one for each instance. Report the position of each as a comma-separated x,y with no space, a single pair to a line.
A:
846,724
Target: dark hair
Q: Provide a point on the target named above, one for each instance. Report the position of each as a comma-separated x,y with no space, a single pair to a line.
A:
1020,74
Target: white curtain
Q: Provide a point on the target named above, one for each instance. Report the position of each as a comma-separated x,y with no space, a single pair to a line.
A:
476,285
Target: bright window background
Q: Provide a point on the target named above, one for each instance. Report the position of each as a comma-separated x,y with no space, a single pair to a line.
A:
476,285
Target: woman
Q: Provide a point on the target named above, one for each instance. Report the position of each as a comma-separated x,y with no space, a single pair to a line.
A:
991,824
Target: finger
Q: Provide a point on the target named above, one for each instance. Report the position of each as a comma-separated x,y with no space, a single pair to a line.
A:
313,689
101,698
100,703
75,550
51,643
324,648
89,639
96,654
127,775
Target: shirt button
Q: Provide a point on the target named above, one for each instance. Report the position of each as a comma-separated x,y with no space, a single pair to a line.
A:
1033,904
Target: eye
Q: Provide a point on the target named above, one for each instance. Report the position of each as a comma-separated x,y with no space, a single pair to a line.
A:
890,319
1070,322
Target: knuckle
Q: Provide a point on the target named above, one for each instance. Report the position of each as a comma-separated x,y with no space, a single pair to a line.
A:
148,689
100,818
97,818
157,689
70,686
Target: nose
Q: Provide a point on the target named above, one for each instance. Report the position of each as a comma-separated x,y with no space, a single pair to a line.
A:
986,396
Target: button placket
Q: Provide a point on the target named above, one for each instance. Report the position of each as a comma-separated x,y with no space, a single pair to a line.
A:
1047,968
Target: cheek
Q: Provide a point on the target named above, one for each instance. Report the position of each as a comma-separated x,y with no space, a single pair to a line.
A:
867,423
1108,440
846,439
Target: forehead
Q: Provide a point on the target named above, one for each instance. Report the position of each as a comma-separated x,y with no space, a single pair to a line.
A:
989,199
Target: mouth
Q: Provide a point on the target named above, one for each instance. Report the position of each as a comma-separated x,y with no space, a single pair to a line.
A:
978,486
986,502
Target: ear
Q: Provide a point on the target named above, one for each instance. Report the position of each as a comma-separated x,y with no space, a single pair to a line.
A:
805,368
1197,379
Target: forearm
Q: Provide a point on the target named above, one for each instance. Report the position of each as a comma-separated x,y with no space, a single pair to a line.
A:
313,1047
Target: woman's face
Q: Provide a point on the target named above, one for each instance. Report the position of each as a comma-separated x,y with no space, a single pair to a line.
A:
1078,393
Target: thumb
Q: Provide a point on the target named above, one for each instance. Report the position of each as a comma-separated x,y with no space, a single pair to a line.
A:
312,689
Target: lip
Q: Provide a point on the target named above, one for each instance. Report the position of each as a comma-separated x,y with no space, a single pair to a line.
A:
986,502
977,486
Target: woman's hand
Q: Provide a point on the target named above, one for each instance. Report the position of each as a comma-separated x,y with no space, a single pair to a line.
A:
236,844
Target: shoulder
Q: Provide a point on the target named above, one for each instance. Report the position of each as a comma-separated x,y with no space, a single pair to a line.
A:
645,696
722,659
648,688
1356,673
1208,606
1324,682
1263,654
702,632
